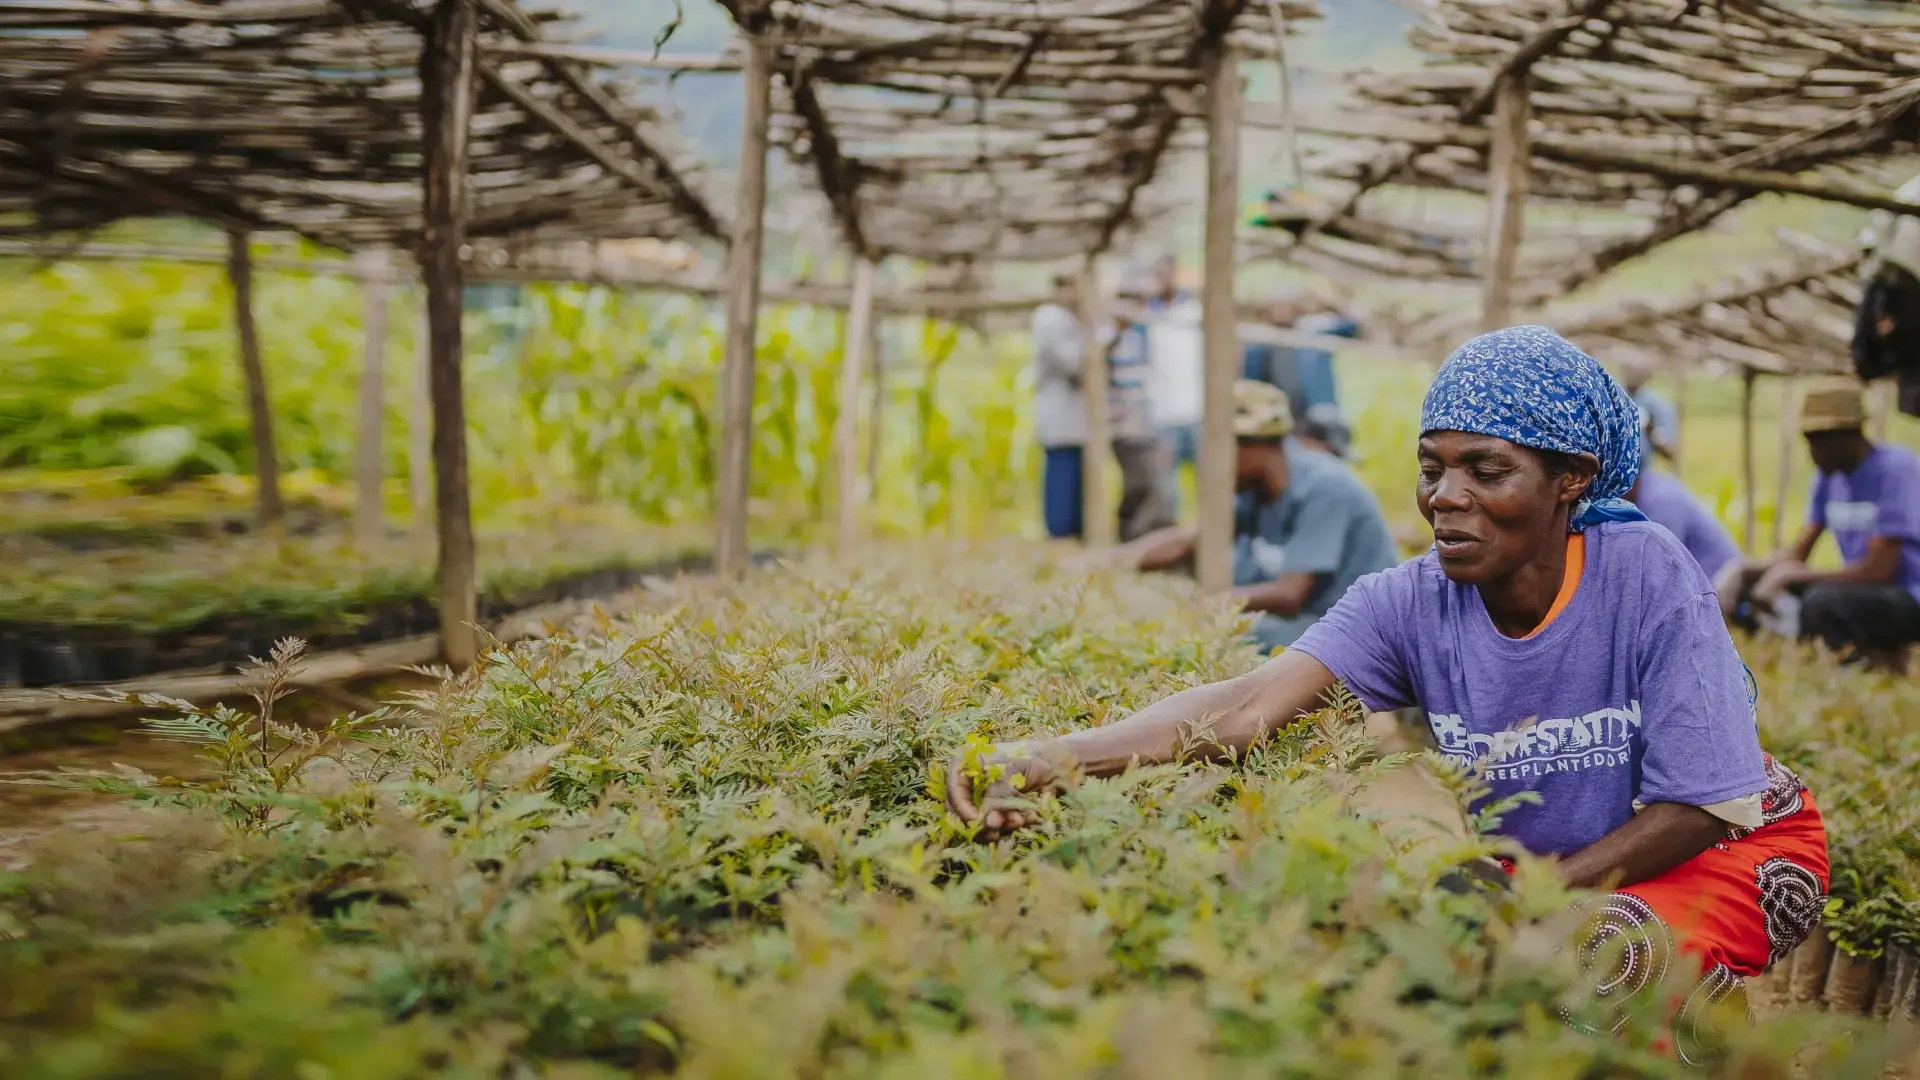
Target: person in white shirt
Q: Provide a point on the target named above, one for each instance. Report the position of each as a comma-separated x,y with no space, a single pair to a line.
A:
1059,410
1175,358
1146,503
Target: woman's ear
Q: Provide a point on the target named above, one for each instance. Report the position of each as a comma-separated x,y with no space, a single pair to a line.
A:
1579,477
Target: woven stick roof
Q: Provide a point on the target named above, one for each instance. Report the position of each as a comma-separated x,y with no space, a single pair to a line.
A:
1666,114
1791,318
305,115
991,130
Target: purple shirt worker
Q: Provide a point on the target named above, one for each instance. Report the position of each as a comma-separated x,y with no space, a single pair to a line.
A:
1868,496
1555,638
1667,502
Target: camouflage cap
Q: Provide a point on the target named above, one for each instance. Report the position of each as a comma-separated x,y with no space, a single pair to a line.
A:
1261,411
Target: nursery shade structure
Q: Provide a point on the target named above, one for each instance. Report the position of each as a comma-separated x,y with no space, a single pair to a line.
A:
1791,319
306,115
355,123
984,131
1794,318
1661,114
989,130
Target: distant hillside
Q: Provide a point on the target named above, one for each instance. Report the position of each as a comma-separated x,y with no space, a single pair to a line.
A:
1354,33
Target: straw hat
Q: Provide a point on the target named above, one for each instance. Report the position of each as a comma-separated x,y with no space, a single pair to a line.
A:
1261,411
1835,407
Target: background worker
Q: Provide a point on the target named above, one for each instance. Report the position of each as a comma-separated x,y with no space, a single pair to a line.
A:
1868,495
1059,410
1145,503
1305,373
1666,501
1305,527
1559,642
1657,413
1175,356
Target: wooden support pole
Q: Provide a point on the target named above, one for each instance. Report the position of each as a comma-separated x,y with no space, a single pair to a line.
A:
1100,525
420,429
876,421
1680,413
1213,559
846,428
1749,534
446,108
743,302
369,517
1507,184
1783,485
266,460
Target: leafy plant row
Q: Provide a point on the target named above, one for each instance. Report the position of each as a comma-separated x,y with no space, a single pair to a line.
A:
704,839
1850,735
244,588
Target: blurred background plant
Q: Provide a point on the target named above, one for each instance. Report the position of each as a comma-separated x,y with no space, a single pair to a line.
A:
577,393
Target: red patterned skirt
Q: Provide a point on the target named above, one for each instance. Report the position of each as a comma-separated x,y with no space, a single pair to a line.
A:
1736,909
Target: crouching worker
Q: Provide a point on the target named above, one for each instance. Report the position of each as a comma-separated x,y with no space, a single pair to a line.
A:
1555,635
1305,527
1664,498
1869,496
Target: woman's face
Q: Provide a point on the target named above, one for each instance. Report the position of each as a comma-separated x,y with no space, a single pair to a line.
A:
1493,506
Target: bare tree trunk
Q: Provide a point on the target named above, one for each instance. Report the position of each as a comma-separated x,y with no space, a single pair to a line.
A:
420,430
266,460
369,513
1783,488
876,417
1507,162
1750,534
846,430
446,76
1099,525
743,303
1213,560
1680,412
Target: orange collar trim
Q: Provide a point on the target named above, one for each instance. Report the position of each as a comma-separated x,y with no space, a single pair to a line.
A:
1569,582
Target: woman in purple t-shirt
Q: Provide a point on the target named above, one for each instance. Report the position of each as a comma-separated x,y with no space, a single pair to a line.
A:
1556,638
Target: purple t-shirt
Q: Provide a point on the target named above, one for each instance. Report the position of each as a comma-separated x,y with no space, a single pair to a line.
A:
1667,501
1880,498
1634,691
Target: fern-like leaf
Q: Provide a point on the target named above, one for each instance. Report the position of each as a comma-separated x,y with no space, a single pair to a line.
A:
186,728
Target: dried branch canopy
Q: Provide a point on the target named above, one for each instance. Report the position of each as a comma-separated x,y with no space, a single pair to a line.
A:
984,130
1661,115
1794,318
305,115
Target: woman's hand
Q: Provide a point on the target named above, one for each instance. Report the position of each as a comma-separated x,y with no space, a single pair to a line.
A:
1023,773
1234,715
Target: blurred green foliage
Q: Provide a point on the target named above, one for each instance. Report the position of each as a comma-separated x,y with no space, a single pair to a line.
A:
575,393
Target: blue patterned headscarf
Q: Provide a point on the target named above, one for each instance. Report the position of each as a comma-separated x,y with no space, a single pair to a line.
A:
1532,387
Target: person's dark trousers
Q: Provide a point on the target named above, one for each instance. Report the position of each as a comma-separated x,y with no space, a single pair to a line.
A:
1144,504
1060,498
1860,620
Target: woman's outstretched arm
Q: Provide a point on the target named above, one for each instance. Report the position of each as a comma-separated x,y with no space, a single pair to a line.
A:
1203,723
